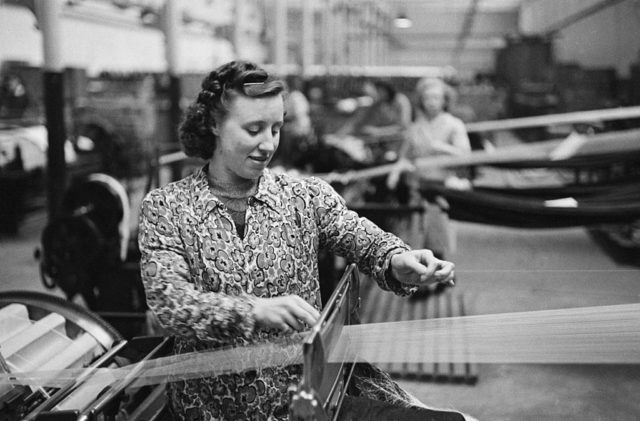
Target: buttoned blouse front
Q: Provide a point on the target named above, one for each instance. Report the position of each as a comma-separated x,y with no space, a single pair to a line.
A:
200,277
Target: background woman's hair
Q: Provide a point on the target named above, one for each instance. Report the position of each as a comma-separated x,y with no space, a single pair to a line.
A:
428,82
387,87
212,105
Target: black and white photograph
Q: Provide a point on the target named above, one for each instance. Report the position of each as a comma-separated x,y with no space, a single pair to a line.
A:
320,210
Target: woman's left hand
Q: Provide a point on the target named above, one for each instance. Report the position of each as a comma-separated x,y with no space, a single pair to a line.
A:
421,267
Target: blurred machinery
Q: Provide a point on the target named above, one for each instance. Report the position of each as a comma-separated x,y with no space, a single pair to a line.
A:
86,252
328,389
39,332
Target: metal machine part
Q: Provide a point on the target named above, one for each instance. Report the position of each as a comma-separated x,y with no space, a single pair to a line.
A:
328,390
85,251
320,394
40,332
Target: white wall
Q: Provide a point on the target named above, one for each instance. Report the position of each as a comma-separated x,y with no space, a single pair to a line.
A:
609,38
434,37
19,37
102,45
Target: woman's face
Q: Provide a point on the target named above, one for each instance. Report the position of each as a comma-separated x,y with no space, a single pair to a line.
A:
433,99
247,138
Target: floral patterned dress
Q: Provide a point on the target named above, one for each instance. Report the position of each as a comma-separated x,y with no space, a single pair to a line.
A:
200,276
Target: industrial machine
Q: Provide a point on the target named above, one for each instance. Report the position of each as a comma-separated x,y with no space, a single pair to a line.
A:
327,390
86,251
320,394
41,332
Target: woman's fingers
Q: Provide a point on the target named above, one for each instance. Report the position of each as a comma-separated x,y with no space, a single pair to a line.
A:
291,322
421,267
302,312
305,311
445,271
285,313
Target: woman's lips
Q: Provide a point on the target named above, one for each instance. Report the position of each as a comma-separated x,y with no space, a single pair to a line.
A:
260,159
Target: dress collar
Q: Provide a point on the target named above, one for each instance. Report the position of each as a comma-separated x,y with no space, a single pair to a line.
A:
206,201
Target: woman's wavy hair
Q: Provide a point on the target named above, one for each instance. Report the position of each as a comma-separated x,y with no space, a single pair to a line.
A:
428,82
212,105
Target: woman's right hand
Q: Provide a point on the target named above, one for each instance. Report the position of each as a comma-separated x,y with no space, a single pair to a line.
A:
287,313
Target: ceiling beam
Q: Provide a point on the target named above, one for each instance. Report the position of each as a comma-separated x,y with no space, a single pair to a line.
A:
552,30
467,24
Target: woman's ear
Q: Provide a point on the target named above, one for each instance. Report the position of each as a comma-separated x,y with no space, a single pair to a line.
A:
214,130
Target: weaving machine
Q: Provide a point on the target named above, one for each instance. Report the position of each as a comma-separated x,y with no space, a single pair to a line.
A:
60,362
322,393
42,334
39,332
86,251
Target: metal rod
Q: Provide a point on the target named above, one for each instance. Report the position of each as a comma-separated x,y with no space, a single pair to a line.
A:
48,15
578,16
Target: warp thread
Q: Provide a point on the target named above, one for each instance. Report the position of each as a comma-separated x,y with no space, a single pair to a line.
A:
588,335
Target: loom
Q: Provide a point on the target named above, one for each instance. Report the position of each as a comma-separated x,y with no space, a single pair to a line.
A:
39,332
86,251
77,356
61,362
322,394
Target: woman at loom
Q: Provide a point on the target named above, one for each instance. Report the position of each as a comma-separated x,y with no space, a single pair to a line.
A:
229,253
387,117
434,132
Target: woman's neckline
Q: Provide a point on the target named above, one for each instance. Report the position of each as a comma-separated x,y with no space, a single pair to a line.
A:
232,189
433,118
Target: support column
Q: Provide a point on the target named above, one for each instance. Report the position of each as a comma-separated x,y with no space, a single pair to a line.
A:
238,28
172,19
48,16
308,50
343,42
280,44
171,22
340,35
328,24
380,37
373,34
385,45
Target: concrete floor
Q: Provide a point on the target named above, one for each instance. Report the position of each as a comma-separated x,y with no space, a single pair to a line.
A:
499,270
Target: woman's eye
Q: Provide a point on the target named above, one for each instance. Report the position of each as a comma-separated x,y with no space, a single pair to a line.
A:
253,130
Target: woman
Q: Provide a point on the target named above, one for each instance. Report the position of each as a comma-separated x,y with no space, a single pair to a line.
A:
434,132
229,253
387,117
297,134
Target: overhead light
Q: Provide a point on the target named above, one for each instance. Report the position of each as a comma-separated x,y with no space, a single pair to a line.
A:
148,16
402,21
122,4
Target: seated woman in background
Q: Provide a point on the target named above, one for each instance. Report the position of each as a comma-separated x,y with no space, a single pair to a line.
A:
388,115
229,253
434,132
377,127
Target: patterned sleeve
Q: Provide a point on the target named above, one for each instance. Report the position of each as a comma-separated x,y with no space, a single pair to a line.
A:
171,290
356,238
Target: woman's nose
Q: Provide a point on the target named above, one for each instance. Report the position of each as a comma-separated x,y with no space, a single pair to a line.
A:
269,143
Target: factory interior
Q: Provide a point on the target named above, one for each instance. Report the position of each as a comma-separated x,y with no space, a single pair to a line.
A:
533,194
